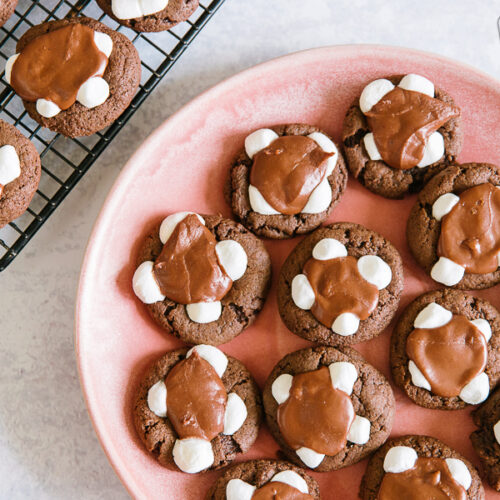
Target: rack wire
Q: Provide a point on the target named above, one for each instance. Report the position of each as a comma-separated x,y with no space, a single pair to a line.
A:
64,160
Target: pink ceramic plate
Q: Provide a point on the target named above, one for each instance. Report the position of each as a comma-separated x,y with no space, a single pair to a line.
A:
182,166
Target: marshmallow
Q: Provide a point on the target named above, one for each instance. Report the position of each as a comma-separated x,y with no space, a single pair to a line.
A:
432,316
8,67
433,150
204,312
170,223
329,248
417,83
292,479
417,377
258,202
400,458
343,375
459,471
371,147
302,292
232,257
193,455
104,42
373,92
359,433
496,431
280,388
10,166
375,270
328,146
46,108
236,489
211,355
236,414
443,205
310,457
484,327
93,92
320,198
259,140
346,324
145,285
447,272
131,9
477,390
157,399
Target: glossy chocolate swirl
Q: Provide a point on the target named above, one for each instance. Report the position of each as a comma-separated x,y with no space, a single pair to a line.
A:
279,491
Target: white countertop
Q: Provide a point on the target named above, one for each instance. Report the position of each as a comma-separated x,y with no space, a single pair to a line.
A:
48,448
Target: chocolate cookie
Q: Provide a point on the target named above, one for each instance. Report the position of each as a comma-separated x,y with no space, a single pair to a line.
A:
447,201
7,8
240,481
174,12
445,350
229,304
119,81
20,171
341,285
486,440
371,169
197,410
327,408
401,468
256,213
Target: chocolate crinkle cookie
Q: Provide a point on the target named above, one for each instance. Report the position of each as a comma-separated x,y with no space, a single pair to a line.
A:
418,467
445,350
399,133
197,409
286,180
7,8
486,440
264,479
327,408
454,227
340,285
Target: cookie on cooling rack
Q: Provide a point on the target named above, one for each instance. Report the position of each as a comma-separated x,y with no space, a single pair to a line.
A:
7,8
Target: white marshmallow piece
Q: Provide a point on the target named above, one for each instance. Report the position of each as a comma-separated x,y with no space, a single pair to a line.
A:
375,270
373,92
47,109
359,433
211,355
443,205
170,223
8,67
10,166
232,257
192,455
131,9
477,390
258,202
237,489
104,43
328,146
447,272
204,312
157,399
292,479
235,415
320,198
302,292
145,285
417,377
346,324
259,140
459,471
343,375
280,388
432,316
329,248
310,458
433,150
417,83
371,147
93,92
484,327
496,431
400,458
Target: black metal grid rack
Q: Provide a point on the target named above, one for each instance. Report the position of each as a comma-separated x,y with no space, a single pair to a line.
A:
65,161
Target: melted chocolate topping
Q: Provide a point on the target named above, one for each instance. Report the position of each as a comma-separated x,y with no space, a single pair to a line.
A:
279,491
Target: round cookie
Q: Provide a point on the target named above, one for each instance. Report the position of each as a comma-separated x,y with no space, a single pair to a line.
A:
423,229
486,440
158,433
239,307
174,13
367,389
379,177
402,459
17,194
7,8
358,242
279,226
424,313
123,74
258,473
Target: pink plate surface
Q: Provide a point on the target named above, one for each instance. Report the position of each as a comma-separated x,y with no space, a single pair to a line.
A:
182,166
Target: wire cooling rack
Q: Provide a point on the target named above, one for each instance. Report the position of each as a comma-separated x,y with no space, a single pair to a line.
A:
65,161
